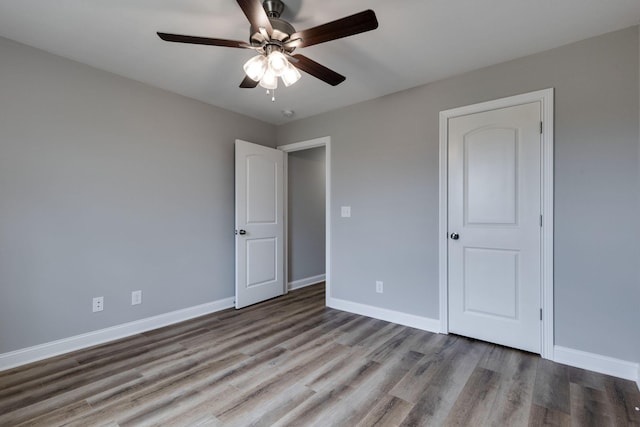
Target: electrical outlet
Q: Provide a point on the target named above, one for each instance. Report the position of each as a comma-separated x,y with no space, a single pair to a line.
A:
98,304
136,297
379,288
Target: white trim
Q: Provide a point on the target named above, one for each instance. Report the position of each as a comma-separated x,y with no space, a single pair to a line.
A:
411,320
547,339
545,97
285,238
66,345
307,281
443,224
597,363
637,379
304,145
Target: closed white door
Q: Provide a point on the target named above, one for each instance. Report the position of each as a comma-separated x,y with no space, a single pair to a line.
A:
259,223
495,226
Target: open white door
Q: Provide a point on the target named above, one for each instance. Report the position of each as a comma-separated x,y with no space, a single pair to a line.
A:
259,223
495,226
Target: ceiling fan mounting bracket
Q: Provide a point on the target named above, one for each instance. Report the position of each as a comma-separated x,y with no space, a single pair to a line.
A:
273,8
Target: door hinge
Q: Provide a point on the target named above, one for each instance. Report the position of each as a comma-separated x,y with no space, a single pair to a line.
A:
540,220
540,314
540,128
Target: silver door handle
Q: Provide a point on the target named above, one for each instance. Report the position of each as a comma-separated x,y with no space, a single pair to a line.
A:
241,232
455,236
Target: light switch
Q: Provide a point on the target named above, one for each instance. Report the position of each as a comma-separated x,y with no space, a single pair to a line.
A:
345,211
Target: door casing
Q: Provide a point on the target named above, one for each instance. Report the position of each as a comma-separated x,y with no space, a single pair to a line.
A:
545,97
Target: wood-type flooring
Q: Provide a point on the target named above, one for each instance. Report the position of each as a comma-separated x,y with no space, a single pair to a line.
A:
293,362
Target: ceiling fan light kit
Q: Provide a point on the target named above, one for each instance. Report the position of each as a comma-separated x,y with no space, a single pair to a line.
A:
275,39
266,70
278,63
255,67
290,76
269,80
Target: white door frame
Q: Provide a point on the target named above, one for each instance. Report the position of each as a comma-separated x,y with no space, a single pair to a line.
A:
298,146
545,97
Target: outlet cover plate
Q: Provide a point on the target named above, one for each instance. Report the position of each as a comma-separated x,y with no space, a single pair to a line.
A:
379,286
136,297
98,304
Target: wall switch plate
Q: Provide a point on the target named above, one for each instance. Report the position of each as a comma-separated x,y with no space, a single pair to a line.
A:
98,304
379,288
136,297
345,211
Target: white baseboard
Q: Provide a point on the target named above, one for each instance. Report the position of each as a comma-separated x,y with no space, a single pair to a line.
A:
307,281
597,363
418,322
65,345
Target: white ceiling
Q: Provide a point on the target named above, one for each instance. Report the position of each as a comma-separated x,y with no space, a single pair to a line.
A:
418,41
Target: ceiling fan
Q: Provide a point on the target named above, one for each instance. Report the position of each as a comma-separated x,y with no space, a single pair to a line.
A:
275,39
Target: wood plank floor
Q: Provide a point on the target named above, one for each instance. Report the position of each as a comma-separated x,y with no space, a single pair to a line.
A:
293,362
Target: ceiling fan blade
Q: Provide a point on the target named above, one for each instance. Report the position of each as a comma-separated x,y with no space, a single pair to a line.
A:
316,70
345,27
256,15
248,83
203,40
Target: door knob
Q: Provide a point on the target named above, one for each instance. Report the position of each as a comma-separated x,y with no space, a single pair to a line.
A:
241,232
455,236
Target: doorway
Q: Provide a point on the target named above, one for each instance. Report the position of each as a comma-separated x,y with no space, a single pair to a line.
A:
496,221
298,248
305,217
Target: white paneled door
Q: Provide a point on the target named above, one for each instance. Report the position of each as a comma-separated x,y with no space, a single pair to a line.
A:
259,223
495,226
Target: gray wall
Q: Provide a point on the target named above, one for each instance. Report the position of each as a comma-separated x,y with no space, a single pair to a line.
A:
306,232
385,165
107,186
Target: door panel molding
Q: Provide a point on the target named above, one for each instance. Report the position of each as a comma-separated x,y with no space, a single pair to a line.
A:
545,97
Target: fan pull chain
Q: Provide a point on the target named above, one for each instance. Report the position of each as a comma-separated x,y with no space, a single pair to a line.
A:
273,95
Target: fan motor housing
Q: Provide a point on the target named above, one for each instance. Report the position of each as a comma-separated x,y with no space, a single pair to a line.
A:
281,31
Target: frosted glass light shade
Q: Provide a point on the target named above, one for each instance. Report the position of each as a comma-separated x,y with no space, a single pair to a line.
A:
269,80
256,67
290,76
278,63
